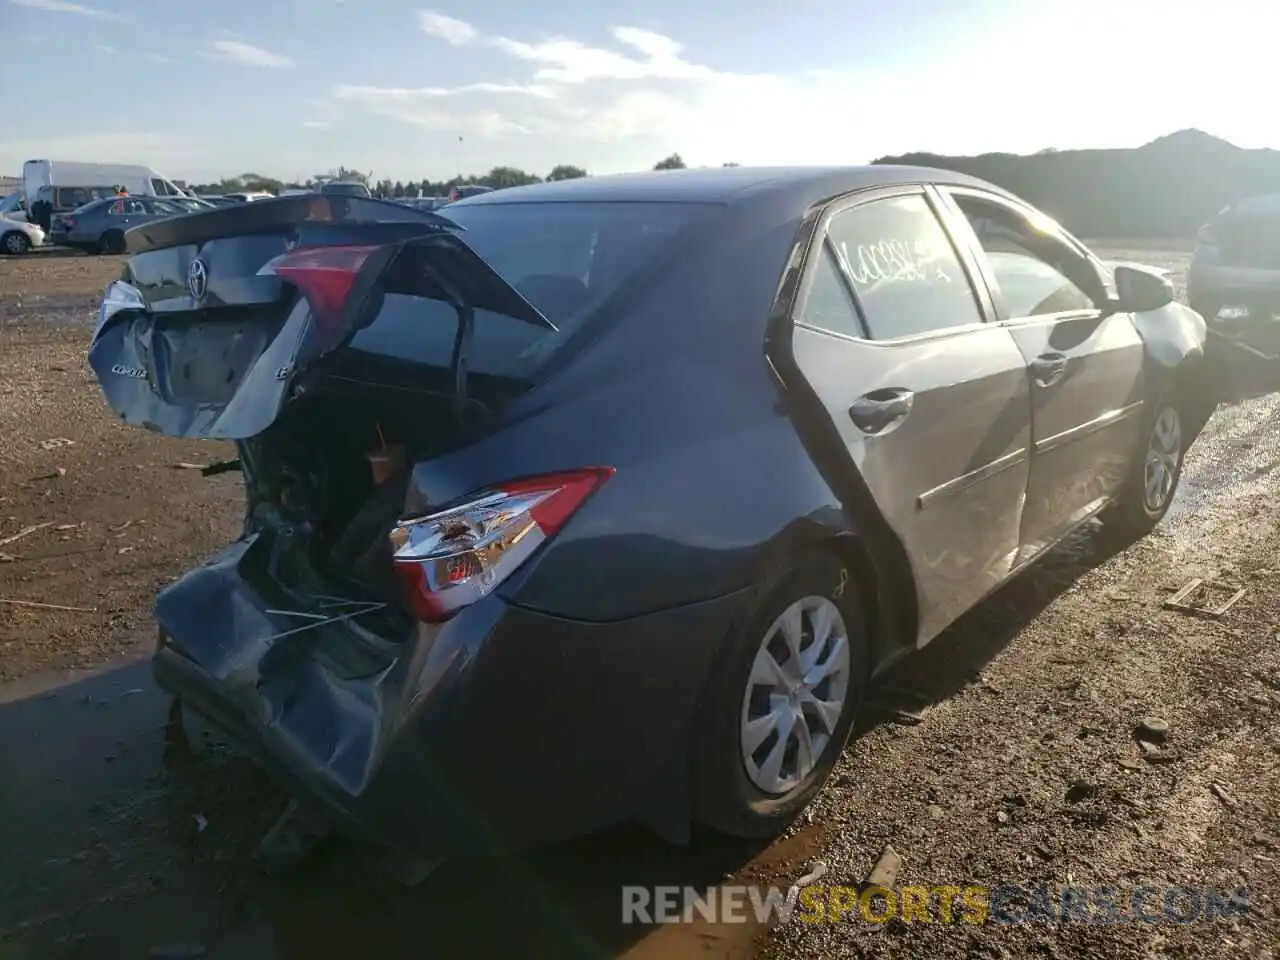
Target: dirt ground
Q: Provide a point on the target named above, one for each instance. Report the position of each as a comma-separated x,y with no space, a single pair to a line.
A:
111,514
1003,754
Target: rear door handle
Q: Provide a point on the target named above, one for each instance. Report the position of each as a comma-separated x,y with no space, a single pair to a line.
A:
879,410
1048,368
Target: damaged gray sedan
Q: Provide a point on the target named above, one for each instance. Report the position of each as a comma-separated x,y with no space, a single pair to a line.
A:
604,500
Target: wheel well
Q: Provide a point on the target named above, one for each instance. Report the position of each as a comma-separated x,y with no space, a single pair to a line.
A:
1192,388
851,552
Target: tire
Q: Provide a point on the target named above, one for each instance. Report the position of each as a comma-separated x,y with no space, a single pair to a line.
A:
15,242
734,792
1159,460
112,242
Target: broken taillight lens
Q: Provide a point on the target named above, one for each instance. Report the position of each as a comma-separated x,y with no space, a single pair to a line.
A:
450,559
324,275
118,297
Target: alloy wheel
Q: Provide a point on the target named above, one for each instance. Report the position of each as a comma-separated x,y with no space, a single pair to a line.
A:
795,695
1164,453
15,243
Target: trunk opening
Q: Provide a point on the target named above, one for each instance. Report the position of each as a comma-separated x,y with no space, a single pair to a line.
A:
311,489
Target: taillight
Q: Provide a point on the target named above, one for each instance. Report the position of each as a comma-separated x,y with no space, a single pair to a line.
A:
450,559
119,296
68,222
324,275
1207,235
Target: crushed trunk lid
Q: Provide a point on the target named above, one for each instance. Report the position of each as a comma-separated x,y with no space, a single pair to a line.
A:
218,312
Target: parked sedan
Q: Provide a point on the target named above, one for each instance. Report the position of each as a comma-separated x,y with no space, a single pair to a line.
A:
217,200
19,236
610,505
99,226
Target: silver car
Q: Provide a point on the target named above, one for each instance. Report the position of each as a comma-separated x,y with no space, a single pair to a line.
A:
18,236
99,226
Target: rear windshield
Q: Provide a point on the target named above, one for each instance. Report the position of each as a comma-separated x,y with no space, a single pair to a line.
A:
92,205
346,189
564,258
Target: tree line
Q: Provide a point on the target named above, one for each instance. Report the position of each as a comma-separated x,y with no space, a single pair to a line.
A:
497,178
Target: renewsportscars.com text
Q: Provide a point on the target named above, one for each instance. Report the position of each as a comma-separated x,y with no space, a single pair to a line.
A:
972,904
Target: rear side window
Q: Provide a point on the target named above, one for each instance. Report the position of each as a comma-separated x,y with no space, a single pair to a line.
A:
828,305
127,206
902,267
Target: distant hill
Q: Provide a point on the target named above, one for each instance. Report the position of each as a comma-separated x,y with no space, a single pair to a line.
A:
1165,188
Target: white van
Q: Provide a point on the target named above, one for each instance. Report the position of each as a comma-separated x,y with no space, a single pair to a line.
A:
67,184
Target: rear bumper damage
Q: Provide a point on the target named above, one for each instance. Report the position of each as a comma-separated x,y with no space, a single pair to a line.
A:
502,727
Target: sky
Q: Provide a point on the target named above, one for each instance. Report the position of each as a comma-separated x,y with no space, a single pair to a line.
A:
292,88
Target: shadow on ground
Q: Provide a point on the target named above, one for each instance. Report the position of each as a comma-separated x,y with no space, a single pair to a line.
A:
119,840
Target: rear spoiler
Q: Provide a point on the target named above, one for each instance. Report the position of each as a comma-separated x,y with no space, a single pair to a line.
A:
266,216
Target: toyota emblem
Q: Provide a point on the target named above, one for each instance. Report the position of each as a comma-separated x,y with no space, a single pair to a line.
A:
197,279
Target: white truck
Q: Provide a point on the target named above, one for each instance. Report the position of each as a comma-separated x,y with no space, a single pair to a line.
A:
58,186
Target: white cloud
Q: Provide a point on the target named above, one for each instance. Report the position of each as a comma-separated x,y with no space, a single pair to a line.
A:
63,6
411,94
158,58
452,31
317,124
421,108
246,53
105,48
644,86
562,60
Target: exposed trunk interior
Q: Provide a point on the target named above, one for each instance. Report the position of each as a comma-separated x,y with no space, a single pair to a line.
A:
311,488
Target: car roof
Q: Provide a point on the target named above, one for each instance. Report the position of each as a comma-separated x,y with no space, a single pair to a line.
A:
725,184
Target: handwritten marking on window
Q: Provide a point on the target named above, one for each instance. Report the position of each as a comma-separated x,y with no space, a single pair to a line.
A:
893,261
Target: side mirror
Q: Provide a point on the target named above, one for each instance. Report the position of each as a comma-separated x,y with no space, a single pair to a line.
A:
1139,289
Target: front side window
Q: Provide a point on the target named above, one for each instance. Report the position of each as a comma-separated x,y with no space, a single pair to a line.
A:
905,274
1037,275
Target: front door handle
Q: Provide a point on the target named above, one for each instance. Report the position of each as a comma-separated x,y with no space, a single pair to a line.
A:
879,410
1048,368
